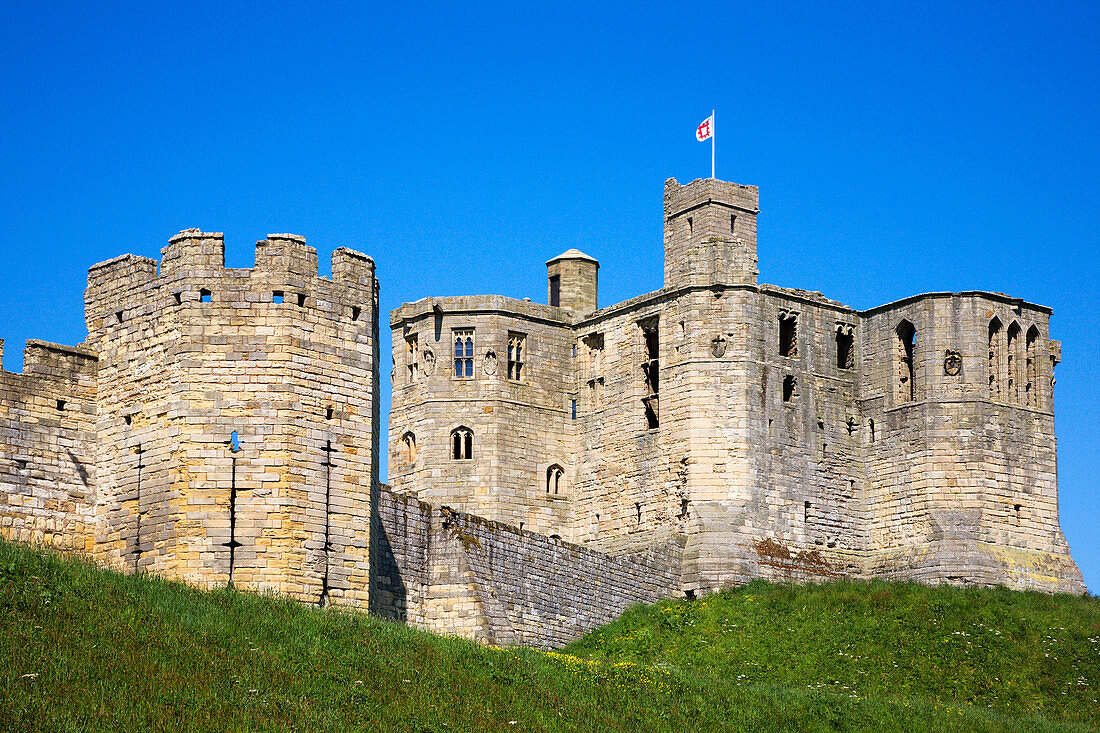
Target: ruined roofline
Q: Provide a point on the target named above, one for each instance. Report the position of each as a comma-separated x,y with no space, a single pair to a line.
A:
479,305
999,297
81,351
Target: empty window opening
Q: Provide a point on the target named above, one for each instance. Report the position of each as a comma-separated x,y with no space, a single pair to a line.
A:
683,508
845,341
871,430
995,351
906,340
464,352
733,223
574,351
356,311
555,290
806,512
178,297
820,424
790,388
554,484
301,300
517,348
521,526
118,315
573,408
61,404
651,371
204,296
128,419
788,334
234,442
824,450
638,510
689,594
408,448
329,412
462,444
1017,508
555,536
412,357
691,226
1013,363
1032,368
277,296
21,463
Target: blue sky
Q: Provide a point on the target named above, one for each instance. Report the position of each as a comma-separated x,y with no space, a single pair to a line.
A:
899,148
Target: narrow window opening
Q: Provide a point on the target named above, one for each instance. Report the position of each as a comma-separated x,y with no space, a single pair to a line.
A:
1032,368
517,347
871,429
204,296
408,448
790,388
683,508
806,512
277,296
638,510
356,311
412,357
995,349
118,315
1013,362
301,300
1017,508
906,339
21,463
733,223
329,411
61,404
555,290
462,444
824,450
128,419
788,334
521,526
178,297
234,442
845,340
573,408
651,371
574,351
851,426
691,226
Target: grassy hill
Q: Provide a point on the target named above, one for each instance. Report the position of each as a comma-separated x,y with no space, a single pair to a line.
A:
86,650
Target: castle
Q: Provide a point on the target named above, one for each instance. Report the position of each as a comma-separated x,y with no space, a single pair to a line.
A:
550,464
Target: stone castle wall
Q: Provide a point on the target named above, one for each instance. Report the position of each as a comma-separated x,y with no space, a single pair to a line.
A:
458,573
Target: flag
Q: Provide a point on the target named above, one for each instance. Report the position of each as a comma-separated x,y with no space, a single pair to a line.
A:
705,129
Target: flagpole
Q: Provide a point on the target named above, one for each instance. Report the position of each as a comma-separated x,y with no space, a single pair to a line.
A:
713,133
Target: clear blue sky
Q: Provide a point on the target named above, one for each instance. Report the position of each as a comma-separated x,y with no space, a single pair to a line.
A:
897,150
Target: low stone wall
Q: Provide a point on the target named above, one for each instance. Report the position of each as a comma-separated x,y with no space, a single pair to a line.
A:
458,573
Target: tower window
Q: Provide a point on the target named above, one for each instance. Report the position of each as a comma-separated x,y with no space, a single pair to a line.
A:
408,448
412,362
555,290
517,346
788,333
906,373
651,371
790,388
356,311
462,444
277,296
733,223
845,341
554,476
204,296
464,352
301,300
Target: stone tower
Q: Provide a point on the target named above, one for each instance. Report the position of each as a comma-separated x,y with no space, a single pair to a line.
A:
236,416
710,233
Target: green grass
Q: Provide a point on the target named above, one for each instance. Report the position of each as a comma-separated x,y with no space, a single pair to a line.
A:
82,649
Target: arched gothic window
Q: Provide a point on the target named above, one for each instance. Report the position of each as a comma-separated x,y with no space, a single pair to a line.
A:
1032,386
462,444
1013,352
408,448
555,479
996,349
464,352
906,387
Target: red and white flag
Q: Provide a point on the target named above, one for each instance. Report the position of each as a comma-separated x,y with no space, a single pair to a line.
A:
705,129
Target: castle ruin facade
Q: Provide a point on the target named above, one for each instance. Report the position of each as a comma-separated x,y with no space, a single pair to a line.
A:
778,432
551,464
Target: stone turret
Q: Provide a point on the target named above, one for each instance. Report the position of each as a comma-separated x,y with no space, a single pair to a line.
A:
571,282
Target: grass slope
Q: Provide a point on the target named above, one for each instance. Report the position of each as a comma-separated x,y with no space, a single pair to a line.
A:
82,649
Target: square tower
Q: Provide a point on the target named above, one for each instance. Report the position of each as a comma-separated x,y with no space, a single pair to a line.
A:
710,233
